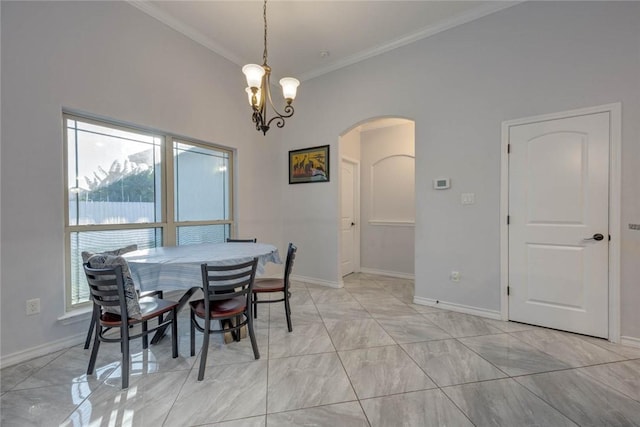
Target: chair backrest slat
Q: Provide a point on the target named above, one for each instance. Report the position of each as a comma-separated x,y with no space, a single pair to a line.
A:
106,286
101,292
228,277
228,281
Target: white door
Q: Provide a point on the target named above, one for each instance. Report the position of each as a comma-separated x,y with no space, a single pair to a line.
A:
558,223
348,216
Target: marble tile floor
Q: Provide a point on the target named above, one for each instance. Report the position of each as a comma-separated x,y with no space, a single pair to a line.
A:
364,355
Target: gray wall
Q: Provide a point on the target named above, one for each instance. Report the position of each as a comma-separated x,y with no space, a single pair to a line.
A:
111,60
458,87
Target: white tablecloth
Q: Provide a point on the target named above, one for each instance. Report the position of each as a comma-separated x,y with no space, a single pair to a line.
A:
178,267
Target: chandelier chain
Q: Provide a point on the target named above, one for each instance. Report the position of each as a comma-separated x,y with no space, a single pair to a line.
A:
258,79
264,15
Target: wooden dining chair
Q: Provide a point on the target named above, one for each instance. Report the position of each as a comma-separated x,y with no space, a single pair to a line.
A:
95,315
227,299
107,288
271,285
86,255
254,240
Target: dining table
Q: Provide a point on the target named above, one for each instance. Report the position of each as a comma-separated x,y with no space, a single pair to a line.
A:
170,268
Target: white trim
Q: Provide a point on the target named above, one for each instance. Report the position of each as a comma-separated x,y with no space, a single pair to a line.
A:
460,308
185,29
477,13
357,127
615,220
615,126
410,38
356,215
630,341
76,316
391,223
504,228
41,350
388,273
315,281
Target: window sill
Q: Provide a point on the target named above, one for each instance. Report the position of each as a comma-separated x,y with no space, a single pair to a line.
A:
76,316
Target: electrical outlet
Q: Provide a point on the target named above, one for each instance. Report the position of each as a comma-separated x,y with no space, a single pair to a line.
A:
33,306
454,276
468,198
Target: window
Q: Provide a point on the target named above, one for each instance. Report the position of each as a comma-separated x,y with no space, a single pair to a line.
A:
127,185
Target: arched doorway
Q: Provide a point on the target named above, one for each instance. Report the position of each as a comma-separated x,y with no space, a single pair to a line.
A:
377,198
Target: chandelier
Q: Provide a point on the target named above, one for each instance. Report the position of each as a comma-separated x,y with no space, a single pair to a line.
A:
258,80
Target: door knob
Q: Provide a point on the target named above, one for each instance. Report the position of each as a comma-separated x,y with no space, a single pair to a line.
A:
596,236
353,223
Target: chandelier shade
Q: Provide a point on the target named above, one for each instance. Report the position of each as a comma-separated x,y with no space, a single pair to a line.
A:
259,90
289,88
254,73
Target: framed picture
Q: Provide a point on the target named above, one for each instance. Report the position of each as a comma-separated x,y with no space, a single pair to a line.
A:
309,165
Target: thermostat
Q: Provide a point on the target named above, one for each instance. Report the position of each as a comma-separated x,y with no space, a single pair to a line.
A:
441,183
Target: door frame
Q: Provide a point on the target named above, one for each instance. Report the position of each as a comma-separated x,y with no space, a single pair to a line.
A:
615,142
356,214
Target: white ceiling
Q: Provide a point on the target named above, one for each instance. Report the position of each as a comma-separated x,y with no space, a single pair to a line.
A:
298,31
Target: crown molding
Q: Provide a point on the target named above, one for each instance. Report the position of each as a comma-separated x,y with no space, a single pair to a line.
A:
146,7
186,30
412,37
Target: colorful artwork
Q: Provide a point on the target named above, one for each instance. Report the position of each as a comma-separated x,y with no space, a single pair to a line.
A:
309,165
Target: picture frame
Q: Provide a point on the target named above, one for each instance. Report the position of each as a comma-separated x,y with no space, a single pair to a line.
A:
309,165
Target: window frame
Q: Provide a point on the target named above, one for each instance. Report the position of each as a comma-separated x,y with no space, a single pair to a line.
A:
167,223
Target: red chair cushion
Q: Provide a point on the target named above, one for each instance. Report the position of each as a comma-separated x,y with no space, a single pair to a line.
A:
149,309
268,285
223,308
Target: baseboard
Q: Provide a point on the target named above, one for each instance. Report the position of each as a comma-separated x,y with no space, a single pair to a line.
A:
630,341
387,273
460,308
41,350
314,281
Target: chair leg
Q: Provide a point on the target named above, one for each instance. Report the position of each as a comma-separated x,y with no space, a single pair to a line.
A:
193,333
252,336
238,331
125,355
287,312
205,349
87,341
92,325
174,333
255,306
94,350
145,338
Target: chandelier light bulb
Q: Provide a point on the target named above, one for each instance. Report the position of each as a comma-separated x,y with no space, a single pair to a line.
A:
254,74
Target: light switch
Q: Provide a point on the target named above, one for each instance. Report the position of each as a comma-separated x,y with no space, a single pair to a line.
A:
468,198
